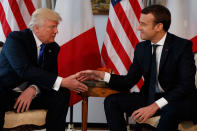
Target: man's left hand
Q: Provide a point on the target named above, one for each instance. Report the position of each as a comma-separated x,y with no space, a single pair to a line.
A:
144,113
24,100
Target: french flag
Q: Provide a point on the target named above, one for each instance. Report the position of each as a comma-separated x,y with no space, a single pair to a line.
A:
77,39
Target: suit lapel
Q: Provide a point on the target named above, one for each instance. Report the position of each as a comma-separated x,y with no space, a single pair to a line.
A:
31,46
148,56
165,51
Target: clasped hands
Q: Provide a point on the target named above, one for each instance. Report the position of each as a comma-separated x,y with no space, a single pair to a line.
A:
140,115
73,82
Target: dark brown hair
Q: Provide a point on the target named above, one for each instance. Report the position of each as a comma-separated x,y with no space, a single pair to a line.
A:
161,14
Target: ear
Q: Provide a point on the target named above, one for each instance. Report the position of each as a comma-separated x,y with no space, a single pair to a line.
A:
159,27
36,28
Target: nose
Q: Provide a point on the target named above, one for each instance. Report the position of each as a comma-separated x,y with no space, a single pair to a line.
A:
55,30
139,27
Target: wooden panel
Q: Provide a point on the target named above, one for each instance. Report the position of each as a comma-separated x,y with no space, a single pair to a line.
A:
100,92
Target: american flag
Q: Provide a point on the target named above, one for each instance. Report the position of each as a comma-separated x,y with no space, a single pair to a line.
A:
15,15
122,36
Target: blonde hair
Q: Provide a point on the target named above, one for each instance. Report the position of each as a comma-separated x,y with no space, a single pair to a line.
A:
42,14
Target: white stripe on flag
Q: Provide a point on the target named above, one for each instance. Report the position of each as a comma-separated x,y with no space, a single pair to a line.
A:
2,34
76,22
24,12
121,40
141,4
121,34
131,17
9,15
10,18
113,56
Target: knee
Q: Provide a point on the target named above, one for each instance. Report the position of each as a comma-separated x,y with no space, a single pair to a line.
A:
110,101
169,114
64,95
59,98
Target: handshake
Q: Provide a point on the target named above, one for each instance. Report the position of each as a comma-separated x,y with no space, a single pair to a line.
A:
74,82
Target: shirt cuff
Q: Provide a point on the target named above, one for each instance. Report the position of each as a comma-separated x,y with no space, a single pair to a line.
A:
57,84
161,102
107,77
37,90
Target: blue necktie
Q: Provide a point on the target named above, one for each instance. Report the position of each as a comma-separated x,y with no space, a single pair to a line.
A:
40,57
153,77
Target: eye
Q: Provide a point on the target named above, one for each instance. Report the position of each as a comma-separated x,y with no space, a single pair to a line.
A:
53,26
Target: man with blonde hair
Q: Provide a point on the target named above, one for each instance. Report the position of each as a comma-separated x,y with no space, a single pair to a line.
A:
29,74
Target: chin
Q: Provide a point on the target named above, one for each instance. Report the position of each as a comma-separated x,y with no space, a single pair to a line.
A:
143,38
52,41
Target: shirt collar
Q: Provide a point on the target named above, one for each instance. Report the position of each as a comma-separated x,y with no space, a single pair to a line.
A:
38,42
161,42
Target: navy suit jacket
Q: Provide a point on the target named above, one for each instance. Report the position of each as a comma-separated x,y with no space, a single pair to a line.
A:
176,72
19,62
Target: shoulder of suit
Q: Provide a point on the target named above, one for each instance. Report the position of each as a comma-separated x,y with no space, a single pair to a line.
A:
179,40
143,44
20,34
53,46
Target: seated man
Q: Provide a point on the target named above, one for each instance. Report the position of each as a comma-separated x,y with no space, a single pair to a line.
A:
28,72
167,64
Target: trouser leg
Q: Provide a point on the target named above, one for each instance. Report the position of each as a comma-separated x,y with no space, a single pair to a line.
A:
56,102
7,101
118,104
173,113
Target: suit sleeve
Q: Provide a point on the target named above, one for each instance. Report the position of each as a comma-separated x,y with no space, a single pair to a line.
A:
125,82
15,52
185,84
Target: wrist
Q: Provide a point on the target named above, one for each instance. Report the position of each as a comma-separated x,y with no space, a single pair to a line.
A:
64,82
101,74
155,106
34,90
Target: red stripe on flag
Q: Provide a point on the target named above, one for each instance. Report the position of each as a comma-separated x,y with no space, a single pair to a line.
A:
140,83
16,12
118,46
30,6
126,25
128,29
107,60
136,8
5,25
194,41
79,54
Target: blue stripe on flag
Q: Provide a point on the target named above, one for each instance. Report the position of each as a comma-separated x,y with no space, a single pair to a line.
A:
114,2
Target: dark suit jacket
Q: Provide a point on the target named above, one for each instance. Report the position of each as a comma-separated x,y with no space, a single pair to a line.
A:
19,62
176,72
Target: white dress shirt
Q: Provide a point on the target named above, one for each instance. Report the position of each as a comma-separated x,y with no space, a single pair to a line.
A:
162,101
58,81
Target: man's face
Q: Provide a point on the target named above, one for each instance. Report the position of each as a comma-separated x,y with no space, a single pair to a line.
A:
147,28
47,31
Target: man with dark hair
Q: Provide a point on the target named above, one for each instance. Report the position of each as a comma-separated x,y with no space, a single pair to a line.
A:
167,64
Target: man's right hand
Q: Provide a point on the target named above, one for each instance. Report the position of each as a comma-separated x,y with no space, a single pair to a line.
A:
24,100
73,84
90,75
